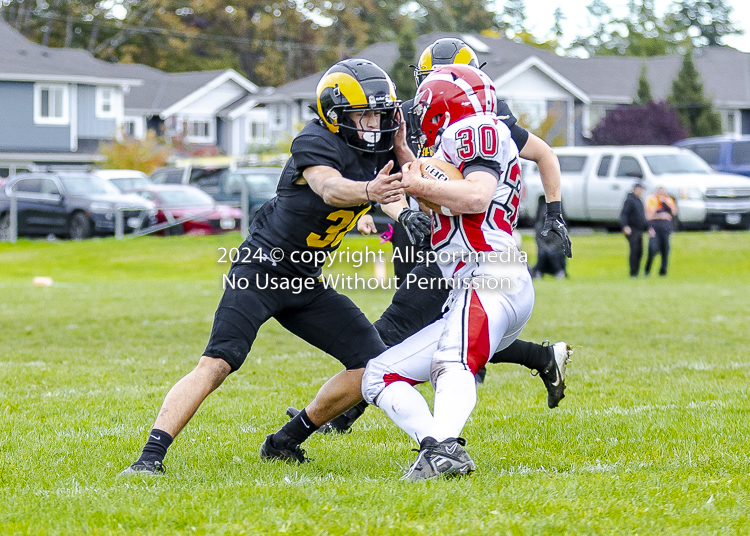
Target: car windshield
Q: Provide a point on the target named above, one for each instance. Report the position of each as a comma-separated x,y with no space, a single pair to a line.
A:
128,183
183,198
87,185
677,163
257,183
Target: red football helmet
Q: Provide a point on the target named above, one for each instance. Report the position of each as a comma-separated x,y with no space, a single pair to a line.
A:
448,94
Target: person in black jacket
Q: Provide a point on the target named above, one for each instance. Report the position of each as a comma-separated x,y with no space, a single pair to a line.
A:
633,223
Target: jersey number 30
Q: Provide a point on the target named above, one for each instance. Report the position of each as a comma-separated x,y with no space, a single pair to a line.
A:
475,143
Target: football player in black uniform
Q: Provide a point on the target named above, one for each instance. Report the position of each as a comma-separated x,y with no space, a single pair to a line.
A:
413,308
329,182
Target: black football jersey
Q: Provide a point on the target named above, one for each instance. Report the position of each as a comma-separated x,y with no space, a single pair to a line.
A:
519,134
297,220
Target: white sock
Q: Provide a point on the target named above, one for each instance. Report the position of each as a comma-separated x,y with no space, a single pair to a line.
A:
407,409
455,398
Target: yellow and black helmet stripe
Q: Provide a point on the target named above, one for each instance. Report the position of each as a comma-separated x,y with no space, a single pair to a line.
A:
353,84
445,51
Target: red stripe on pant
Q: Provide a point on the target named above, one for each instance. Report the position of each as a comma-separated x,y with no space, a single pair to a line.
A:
479,335
393,377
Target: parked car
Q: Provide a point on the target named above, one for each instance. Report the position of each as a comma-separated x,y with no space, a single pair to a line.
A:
225,184
730,154
124,179
596,180
202,214
73,204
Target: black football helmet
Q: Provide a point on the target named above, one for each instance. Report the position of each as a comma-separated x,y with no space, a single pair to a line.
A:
445,51
358,85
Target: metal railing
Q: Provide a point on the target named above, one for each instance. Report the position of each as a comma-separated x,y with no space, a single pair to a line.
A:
12,236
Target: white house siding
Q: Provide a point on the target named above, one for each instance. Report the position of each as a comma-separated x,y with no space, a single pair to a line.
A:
214,100
18,132
528,95
89,125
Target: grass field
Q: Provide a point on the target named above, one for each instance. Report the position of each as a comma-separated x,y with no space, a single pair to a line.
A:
653,436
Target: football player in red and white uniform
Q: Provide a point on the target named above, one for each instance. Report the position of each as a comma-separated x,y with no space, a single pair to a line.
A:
492,296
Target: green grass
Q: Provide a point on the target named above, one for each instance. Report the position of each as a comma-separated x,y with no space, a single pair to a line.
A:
652,438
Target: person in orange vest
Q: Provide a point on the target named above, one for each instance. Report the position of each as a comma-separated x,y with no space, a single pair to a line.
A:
660,211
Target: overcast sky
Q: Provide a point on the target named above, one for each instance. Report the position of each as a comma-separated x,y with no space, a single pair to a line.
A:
539,18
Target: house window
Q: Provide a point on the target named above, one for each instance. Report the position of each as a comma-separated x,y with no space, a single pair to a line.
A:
51,104
199,129
128,128
279,116
728,122
530,114
105,102
257,132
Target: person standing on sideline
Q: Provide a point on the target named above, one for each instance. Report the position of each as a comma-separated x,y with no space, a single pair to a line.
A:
633,223
660,211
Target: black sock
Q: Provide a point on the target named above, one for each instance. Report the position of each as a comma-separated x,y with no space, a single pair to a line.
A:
298,430
156,446
529,354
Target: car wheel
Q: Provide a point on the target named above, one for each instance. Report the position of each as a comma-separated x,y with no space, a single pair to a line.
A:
177,230
5,228
80,226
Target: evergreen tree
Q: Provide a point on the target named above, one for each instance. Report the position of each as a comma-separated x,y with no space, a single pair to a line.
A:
402,72
513,17
644,96
712,19
696,111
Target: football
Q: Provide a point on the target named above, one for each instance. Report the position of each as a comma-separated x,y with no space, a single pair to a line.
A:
436,169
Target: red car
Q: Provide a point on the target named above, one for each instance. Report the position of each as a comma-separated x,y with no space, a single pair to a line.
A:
201,214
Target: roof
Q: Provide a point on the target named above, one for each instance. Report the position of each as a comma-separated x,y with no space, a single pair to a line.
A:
23,60
725,71
161,90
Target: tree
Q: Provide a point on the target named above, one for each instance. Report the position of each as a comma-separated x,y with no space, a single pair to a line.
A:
513,17
696,111
143,155
402,73
654,124
711,18
643,97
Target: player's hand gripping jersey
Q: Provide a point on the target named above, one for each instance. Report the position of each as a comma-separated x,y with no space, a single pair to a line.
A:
479,143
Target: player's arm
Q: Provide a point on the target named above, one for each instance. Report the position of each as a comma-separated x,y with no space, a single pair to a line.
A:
401,147
338,191
546,160
472,195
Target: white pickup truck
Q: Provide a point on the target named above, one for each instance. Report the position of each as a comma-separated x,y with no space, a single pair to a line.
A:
596,180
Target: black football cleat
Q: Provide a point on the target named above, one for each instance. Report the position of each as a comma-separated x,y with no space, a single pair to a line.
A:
289,452
444,458
144,468
554,375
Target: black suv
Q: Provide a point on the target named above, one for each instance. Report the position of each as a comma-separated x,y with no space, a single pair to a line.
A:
72,204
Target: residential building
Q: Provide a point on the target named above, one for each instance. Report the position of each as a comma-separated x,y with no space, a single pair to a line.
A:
536,84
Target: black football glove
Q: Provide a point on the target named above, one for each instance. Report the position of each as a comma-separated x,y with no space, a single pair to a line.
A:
416,223
554,235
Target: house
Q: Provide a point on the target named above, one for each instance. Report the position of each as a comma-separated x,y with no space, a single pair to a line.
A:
536,84
207,108
56,105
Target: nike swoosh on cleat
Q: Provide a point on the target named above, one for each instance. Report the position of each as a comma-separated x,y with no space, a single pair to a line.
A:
158,438
451,449
306,425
